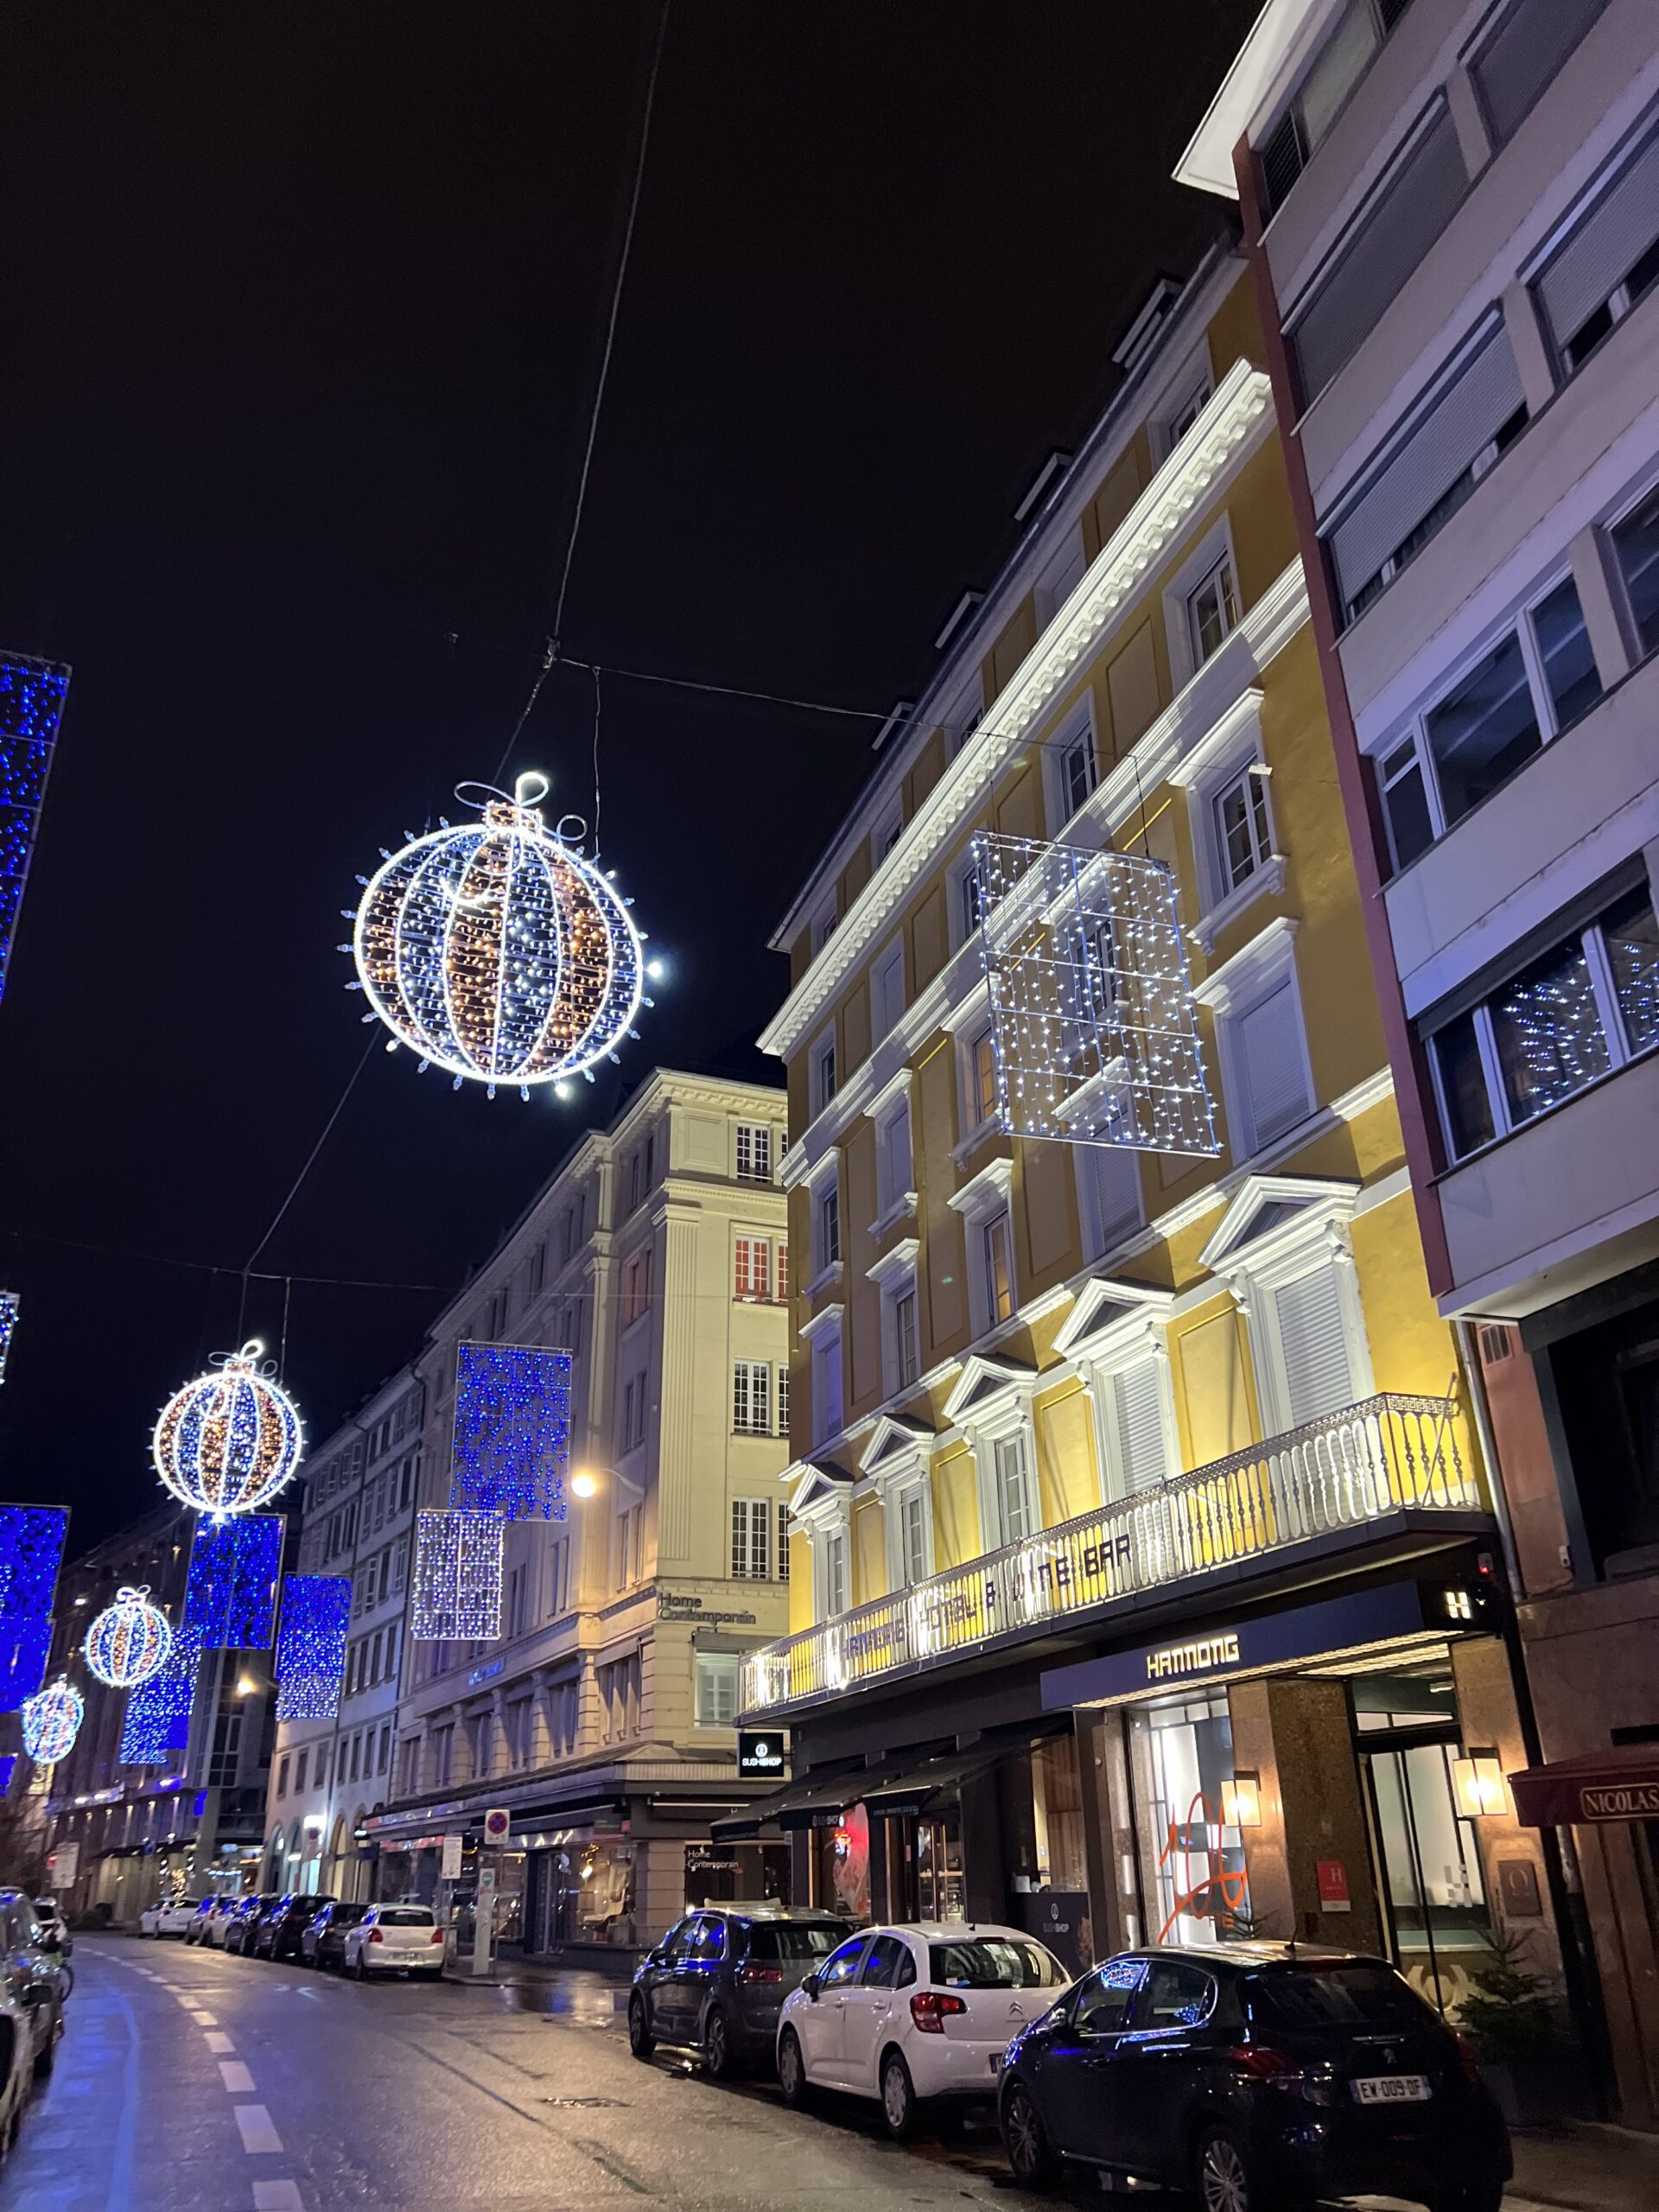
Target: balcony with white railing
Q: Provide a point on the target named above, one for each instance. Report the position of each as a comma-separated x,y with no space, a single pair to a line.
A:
1388,1464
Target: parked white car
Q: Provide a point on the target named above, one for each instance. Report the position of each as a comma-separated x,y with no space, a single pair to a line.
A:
394,1938
169,1915
912,2014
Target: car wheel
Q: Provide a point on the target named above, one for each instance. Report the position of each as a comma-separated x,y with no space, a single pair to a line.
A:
792,2072
717,2055
1025,2139
1222,2175
46,2058
360,1971
641,2042
899,2106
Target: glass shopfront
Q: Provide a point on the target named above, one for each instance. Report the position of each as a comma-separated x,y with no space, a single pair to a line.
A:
580,1890
1192,1867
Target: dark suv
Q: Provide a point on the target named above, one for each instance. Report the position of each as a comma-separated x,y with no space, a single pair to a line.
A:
1261,2076
276,1933
717,1978
240,1927
322,1940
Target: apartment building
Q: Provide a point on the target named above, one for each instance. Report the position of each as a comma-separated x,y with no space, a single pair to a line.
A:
603,1718
1452,211
191,1821
1143,1576
357,1521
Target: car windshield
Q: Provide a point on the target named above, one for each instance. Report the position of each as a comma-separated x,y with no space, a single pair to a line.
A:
994,1962
779,1940
405,1916
1339,1996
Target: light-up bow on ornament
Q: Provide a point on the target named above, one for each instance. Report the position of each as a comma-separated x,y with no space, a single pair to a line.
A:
498,952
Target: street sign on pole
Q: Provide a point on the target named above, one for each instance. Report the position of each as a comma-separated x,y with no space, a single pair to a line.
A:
497,1823
64,1865
451,1867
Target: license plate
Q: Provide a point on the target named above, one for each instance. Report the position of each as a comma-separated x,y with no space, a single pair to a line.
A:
996,2061
1393,2089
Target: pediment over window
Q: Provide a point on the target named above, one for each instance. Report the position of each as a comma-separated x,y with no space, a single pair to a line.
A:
823,1489
989,1385
1110,1306
895,1442
1268,1209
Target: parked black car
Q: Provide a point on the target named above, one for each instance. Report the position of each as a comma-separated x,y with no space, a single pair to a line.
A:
1260,2075
717,1978
32,1976
242,1921
323,1937
276,1933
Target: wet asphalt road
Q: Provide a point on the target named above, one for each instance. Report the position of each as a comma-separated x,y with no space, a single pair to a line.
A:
189,2081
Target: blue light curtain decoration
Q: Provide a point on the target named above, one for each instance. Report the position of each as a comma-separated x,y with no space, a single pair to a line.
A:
456,1597
311,1646
52,1721
9,1303
157,1724
231,1596
31,707
512,1431
31,1547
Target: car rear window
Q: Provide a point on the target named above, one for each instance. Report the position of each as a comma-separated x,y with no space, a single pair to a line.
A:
994,1962
1339,1997
796,1939
405,1916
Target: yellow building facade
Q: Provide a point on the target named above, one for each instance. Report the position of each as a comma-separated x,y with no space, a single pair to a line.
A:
1056,1404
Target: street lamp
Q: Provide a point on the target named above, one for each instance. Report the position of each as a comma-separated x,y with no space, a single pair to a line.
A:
587,1481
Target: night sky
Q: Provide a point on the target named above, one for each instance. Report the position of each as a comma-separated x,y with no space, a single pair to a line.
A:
305,313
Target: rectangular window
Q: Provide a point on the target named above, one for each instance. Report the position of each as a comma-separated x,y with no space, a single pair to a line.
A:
1483,730
912,1535
783,1540
1636,548
1013,1504
782,1377
282,1775
826,1387
1610,260
780,1261
970,901
717,1689
1313,1345
893,1159
299,1770
998,1247
824,1074
1341,62
835,1572
752,1539
982,1061
1547,1030
636,1286
1244,841
829,1226
1112,1195
752,1267
1521,54
1077,769
384,1758
905,1346
754,1152
752,1397
886,992
1212,610
1138,1418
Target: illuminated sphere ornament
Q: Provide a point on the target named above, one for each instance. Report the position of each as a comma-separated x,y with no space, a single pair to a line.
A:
128,1641
52,1721
497,951
229,1440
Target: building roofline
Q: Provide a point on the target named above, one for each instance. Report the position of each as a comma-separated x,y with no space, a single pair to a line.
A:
1278,44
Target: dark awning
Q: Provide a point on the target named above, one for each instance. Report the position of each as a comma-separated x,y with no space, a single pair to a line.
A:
936,1778
814,1802
1597,1787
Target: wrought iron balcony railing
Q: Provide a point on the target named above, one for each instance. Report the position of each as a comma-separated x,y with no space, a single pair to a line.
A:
1384,1457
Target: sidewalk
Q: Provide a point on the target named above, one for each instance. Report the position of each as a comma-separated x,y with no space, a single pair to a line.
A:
1587,2168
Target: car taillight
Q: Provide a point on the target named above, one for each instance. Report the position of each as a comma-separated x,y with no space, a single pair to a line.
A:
761,1974
375,1936
1263,2063
1466,2056
931,2009
437,1935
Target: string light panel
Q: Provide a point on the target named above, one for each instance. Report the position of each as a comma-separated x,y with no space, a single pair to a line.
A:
31,707
311,1648
156,1728
52,1720
31,1549
456,1597
9,1304
231,1595
228,1441
1094,1032
497,951
512,1450
128,1641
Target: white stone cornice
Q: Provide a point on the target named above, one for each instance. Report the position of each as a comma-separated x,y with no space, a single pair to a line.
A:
898,1261
825,1320
989,1189
1239,411
1363,1096
894,1091
1243,715
1267,950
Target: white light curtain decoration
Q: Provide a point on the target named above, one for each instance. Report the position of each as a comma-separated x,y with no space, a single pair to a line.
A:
456,1597
227,1442
1092,1000
498,952
129,1641
52,1720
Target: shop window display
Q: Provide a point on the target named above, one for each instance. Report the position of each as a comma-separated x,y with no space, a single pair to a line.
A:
1183,1752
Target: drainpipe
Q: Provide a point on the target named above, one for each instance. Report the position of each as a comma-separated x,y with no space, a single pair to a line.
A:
1470,1354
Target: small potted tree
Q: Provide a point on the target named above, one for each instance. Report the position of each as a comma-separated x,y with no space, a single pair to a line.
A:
1527,2054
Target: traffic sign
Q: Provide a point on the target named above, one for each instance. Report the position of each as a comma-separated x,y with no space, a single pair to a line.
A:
497,1822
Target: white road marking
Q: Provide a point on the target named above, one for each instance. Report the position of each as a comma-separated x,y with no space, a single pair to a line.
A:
205,2020
236,2077
257,2134
276,2196
217,2040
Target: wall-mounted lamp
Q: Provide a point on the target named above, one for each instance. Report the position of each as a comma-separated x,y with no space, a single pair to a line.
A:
1241,1802
246,1686
1477,1783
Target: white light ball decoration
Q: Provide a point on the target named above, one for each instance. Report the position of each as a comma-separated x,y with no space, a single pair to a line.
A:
228,1441
129,1641
498,952
52,1720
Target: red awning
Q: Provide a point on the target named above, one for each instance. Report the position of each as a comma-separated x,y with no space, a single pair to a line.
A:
1603,1786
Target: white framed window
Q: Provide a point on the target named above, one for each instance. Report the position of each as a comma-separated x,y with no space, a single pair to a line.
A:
915,1535
823,1065
823,925
1070,763
966,898
1212,610
894,1162
1338,67
836,1589
827,1214
1137,1420
1292,1273
825,1343
894,1275
781,1379
1240,827
635,1405
887,990
636,1286
716,1689
979,1079
1477,728
964,719
886,833
1109,1187
1193,397
751,1268
1013,1490
752,1397
996,1254
752,1539
1267,1076
754,1152
630,1546
783,1540
1060,577
983,1203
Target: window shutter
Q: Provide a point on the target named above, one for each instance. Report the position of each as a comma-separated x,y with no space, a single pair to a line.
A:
1612,238
1270,1059
1138,1409
1525,52
1117,1175
1459,425
1319,1378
